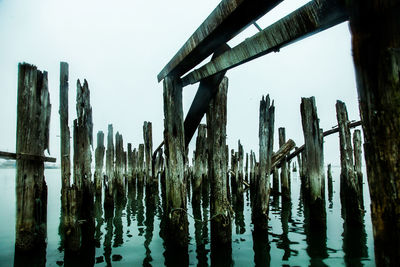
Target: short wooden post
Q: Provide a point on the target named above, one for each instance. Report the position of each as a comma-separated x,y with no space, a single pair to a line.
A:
357,143
99,162
275,181
266,142
119,165
314,165
148,150
233,172
349,187
375,28
33,117
200,160
330,182
109,177
216,135
284,166
175,154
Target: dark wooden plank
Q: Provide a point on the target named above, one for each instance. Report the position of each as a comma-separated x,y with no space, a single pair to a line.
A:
10,155
228,19
311,18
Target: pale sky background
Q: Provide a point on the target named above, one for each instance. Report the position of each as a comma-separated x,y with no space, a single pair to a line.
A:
120,46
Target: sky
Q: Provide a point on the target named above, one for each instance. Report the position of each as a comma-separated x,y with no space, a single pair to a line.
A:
120,46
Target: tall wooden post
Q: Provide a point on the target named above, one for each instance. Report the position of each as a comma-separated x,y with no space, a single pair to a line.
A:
266,142
246,169
119,163
216,135
33,118
148,149
99,162
375,28
349,188
314,163
240,167
284,166
175,153
109,178
330,182
64,129
140,164
357,143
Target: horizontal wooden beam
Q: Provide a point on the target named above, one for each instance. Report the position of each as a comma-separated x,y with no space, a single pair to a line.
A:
228,19
326,133
9,155
311,18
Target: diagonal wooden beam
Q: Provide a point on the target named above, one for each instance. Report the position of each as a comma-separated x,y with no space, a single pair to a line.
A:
309,19
228,19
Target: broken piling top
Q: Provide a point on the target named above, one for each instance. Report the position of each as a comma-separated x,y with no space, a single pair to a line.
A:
227,20
83,108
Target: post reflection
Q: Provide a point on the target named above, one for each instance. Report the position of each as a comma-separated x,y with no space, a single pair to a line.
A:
151,205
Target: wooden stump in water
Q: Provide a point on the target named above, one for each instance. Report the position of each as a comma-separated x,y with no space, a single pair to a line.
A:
129,171
83,139
375,28
314,176
349,187
140,165
99,162
221,232
175,154
109,177
357,143
330,182
119,163
33,118
148,150
200,160
266,142
275,181
240,177
284,166
246,169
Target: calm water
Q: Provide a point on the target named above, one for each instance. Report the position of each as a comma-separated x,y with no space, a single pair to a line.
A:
131,236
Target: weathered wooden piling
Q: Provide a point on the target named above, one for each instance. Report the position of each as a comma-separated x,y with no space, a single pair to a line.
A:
357,143
266,142
140,164
216,135
330,182
119,163
234,172
64,129
99,162
275,181
200,160
109,177
240,166
33,118
349,187
246,169
174,145
129,171
284,166
314,162
148,149
83,140
375,28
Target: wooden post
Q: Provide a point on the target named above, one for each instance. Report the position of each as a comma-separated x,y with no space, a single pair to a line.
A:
99,162
233,172
314,165
246,169
284,166
330,182
275,181
148,149
83,140
216,135
119,165
266,142
33,118
140,164
64,129
109,177
357,143
349,187
200,160
240,167
129,172
175,154
375,28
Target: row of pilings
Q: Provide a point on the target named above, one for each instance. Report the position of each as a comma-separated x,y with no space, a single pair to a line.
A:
210,177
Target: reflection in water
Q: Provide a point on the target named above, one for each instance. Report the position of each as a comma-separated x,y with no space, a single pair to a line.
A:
98,213
131,206
140,208
261,249
238,205
151,204
120,203
36,258
108,217
198,228
221,255
354,243
286,216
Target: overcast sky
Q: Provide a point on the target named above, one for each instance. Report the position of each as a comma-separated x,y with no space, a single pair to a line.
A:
120,46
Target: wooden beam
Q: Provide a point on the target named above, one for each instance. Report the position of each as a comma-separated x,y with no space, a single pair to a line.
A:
228,19
311,18
9,155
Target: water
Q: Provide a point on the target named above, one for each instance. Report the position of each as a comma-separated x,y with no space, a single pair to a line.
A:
131,235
